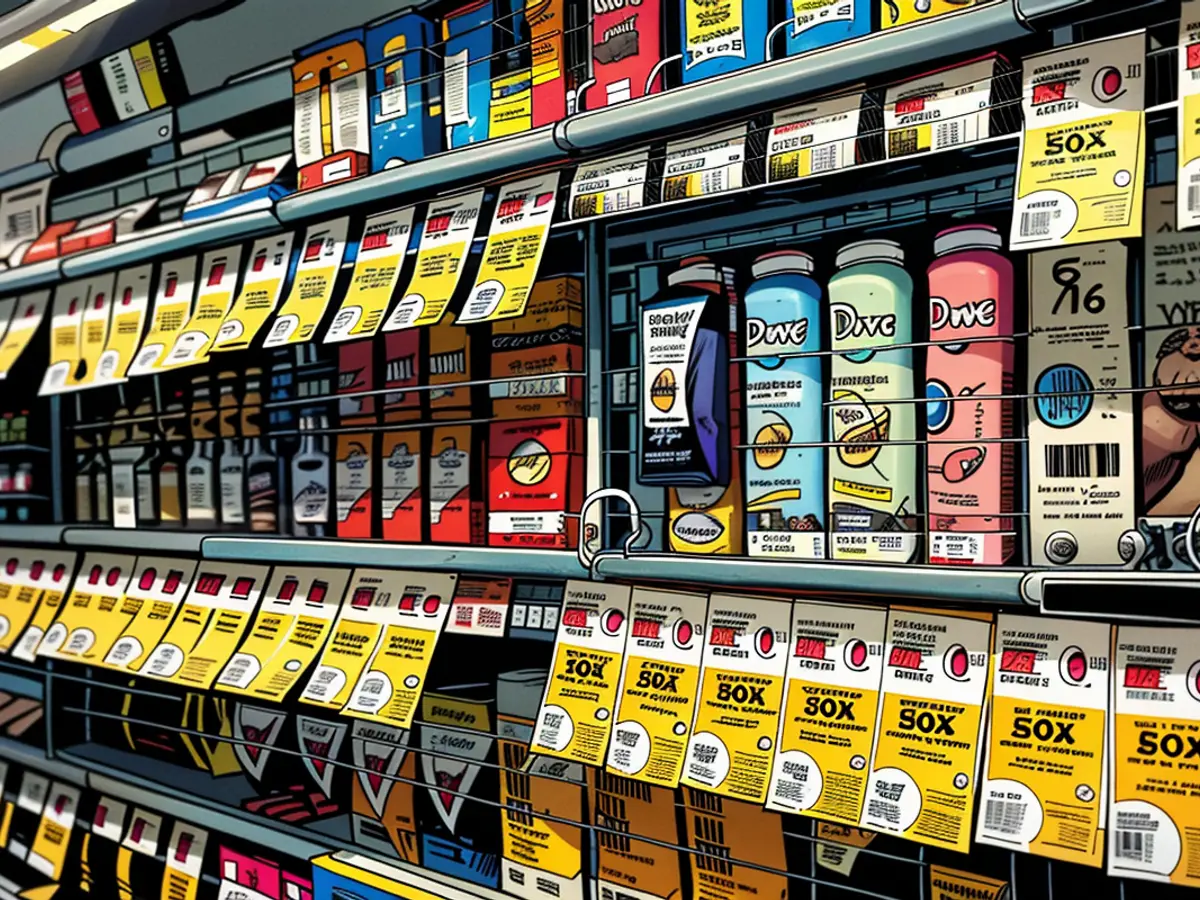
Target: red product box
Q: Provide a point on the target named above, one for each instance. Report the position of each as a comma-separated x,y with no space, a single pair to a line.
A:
46,246
535,479
456,508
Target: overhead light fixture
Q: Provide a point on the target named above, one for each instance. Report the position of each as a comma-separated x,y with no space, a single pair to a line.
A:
69,24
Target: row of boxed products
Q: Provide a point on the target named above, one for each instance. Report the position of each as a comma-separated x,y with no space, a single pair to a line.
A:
65,842
380,97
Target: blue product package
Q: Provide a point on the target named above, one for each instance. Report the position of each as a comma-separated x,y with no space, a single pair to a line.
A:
720,36
470,43
814,24
402,71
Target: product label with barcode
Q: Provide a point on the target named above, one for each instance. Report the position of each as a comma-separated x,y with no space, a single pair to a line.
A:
1045,778
94,614
26,318
390,688
381,251
610,185
709,164
1083,150
944,109
312,285
577,709
815,138
1081,424
215,285
54,582
1187,179
1154,819
153,594
131,299
741,692
262,283
659,681
935,677
831,702
172,309
66,319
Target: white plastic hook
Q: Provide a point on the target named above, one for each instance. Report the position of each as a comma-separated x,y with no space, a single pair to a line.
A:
635,518
774,31
658,67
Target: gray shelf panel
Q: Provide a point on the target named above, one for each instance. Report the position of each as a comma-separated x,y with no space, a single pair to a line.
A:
379,554
188,237
31,534
235,99
842,578
783,81
35,758
136,135
1167,598
30,172
420,180
141,540
36,274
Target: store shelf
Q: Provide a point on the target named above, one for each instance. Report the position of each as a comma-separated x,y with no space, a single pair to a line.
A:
31,534
434,557
178,240
843,578
25,174
488,161
33,275
22,448
35,758
236,98
136,135
141,540
708,103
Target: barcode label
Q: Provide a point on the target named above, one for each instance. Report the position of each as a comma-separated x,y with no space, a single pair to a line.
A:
1003,817
1035,224
1134,845
1083,460
1193,196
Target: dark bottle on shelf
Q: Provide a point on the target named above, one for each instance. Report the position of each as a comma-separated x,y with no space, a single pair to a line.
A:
232,465
311,478
85,478
171,463
261,465
200,481
145,435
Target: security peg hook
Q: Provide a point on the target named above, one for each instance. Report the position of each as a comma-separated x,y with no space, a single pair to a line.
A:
586,555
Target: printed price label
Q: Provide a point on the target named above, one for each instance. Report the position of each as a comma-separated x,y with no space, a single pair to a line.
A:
94,614
935,676
1083,150
947,108
520,225
66,321
1187,180
53,580
48,854
827,730
1154,819
24,578
381,251
93,330
446,240
22,326
390,688
1045,778
710,164
741,693
130,301
289,628
480,607
262,283
659,683
713,29
814,138
172,311
577,710
313,284
151,598
214,295
610,185
185,861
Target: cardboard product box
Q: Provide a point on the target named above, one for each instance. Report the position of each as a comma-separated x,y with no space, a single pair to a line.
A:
725,830
355,490
548,340
456,505
459,836
535,479
627,868
402,456
330,130
403,128
383,818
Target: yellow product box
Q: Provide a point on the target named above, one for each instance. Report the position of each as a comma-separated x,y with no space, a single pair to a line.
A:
381,251
930,732
390,686
48,854
289,630
28,312
1083,150
151,599
295,598
312,285
93,616
741,692
446,237
894,13
130,301
51,572
831,702
214,298
659,683
513,252
727,832
382,814
952,884
369,606
172,309
1045,777
1154,817
576,716
627,868
262,284
185,862
66,321
209,625
28,575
